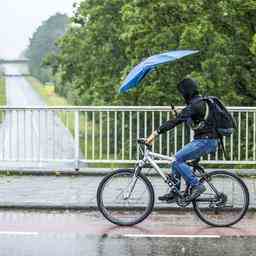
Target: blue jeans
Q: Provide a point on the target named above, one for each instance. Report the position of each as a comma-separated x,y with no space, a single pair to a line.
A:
193,150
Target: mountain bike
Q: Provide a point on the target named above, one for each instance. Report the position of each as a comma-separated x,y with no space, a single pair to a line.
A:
126,197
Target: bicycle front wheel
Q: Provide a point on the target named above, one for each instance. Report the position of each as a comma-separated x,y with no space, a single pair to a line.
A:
225,201
124,199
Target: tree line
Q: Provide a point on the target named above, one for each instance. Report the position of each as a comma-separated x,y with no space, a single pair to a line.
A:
43,44
105,39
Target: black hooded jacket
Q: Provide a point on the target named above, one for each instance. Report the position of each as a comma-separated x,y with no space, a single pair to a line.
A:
196,114
193,115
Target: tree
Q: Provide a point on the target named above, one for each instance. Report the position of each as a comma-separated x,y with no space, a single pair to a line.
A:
91,54
221,30
111,36
43,42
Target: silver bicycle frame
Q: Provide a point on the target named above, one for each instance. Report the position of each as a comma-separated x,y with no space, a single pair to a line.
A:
150,157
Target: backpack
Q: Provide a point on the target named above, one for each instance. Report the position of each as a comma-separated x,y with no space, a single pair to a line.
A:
224,123
217,114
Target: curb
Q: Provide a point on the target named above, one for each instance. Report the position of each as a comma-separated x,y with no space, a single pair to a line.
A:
9,206
89,208
28,206
105,171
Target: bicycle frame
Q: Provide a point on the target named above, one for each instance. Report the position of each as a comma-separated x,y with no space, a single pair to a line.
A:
149,157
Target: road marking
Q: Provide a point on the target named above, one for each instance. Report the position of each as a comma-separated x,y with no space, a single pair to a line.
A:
18,233
171,236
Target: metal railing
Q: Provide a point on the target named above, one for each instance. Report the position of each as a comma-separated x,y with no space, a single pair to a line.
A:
69,137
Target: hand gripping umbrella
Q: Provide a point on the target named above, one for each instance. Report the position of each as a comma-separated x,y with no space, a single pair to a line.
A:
145,67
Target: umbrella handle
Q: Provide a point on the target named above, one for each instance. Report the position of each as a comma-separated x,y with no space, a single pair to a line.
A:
174,110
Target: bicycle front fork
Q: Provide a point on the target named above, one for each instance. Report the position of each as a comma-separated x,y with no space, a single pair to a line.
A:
133,181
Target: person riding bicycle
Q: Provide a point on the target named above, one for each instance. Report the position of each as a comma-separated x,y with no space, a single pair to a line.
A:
205,138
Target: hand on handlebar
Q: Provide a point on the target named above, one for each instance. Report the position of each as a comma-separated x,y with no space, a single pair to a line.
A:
151,138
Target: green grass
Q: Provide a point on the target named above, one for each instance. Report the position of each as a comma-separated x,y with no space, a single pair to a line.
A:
2,91
2,96
47,93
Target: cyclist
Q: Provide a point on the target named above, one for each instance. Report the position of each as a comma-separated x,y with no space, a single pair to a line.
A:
196,114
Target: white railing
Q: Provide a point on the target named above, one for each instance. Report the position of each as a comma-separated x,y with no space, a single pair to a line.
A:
69,137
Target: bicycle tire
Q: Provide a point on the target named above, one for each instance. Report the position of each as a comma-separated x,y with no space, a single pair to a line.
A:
246,197
100,202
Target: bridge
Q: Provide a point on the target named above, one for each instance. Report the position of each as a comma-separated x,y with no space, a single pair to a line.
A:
16,75
14,67
13,61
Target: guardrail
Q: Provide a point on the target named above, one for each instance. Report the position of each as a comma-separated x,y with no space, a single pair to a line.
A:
70,137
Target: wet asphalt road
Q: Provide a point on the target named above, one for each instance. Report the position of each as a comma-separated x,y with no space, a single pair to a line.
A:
31,136
87,233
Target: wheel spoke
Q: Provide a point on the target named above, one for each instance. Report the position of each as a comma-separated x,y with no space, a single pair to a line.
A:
229,202
124,200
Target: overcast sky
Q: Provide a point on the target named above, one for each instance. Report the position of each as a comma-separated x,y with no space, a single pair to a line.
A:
20,18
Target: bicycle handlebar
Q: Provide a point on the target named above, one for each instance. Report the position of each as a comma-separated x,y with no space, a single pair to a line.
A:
142,141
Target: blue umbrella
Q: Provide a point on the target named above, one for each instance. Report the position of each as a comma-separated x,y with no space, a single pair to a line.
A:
145,67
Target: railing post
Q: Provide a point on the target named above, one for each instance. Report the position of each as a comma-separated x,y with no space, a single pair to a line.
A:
77,141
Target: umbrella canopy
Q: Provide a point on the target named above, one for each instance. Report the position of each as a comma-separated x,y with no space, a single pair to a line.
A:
145,67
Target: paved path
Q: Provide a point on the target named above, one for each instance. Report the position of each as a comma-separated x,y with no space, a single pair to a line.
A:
71,191
31,136
87,233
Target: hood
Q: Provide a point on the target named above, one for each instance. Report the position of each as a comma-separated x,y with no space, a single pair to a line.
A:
188,89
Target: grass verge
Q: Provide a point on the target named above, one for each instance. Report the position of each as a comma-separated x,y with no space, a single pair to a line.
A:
2,96
47,93
2,91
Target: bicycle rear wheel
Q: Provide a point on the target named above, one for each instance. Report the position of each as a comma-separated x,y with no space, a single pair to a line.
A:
123,199
225,201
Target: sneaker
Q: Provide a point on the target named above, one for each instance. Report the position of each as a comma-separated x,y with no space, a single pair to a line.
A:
169,197
197,191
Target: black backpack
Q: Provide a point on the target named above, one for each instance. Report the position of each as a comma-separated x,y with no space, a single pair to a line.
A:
224,123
